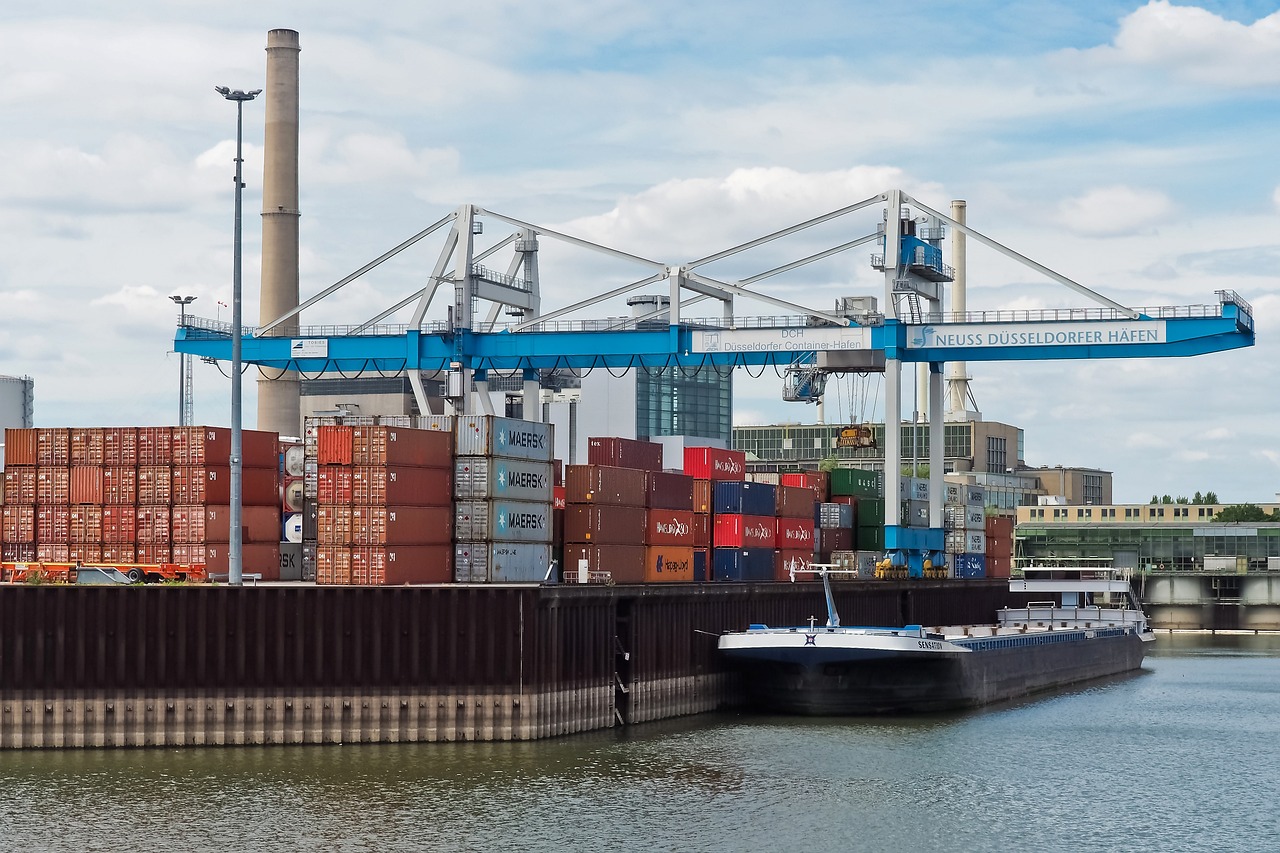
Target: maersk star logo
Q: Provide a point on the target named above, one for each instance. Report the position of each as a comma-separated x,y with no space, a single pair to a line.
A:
922,340
502,478
502,438
502,521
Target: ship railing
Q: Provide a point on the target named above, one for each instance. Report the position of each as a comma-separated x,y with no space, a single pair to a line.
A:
1050,614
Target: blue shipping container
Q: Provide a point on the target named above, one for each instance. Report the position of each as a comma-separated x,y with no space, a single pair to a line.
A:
742,564
969,565
700,559
733,497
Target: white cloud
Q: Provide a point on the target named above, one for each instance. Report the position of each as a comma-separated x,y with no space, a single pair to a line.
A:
1115,211
1194,43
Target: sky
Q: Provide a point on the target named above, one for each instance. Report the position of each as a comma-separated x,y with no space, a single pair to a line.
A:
1130,147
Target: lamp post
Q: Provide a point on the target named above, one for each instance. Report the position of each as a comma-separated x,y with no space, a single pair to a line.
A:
235,551
182,302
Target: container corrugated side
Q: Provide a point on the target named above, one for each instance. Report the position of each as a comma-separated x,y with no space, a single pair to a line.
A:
21,447
672,527
501,562
621,563
712,463
495,477
858,482
668,564
211,447
193,524
741,498
604,484
86,484
624,453
20,485
814,481
52,523
742,564
795,534
333,444
503,521
257,558
486,435
398,565
378,485
837,539
794,502
394,446
786,560
402,525
731,530
609,525
211,484
670,490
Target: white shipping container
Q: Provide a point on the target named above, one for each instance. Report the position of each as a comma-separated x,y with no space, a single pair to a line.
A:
975,496
502,521
501,562
953,493
498,478
913,488
966,542
486,435
444,423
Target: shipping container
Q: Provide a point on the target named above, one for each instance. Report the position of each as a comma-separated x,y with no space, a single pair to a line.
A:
731,530
952,494
868,538
701,564
869,512
84,552
443,423
913,489
376,485
293,459
999,567
624,453
155,446
53,552
154,527
333,524
309,561
86,446
20,485
53,446
784,561
334,445
292,494
487,477
729,565
53,485
256,558
838,539
333,564
123,552
998,526
155,485
486,435
53,523
603,484
120,485
669,490
962,517
975,496
669,527
915,513
503,521
794,502
85,524
742,498
834,515
385,445
858,482
18,552
21,447
668,564
398,565
193,524
795,534
210,447
120,446
866,561
618,563
558,499
19,524
402,525
333,484
701,495
966,542
773,478
605,525
292,528
153,552
701,530
712,463
86,484
501,562
969,565
119,525
814,481
203,484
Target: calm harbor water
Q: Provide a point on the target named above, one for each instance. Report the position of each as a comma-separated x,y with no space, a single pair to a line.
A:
1182,756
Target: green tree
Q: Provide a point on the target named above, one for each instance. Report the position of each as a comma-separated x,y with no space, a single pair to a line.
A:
831,463
1166,500
1243,512
1181,499
1211,497
1155,499
1197,498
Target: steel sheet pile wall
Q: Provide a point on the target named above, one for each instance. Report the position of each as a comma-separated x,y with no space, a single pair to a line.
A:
138,495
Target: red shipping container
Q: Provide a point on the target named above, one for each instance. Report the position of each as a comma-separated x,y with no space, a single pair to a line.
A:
212,523
333,524
49,552
558,498
120,446
744,531
624,453
21,447
604,484
999,567
669,490
124,553
783,561
333,564
402,525
204,484
53,485
815,481
794,502
153,553
210,447
999,527
844,499
396,565
333,445
835,539
701,495
85,524
670,527
153,525
333,484
15,552
19,524
257,558
155,445
605,525
623,563
85,484
395,446
155,485
53,524
20,484
120,485
795,534
84,552
119,525
668,564
712,463
86,445
375,485
701,530
53,446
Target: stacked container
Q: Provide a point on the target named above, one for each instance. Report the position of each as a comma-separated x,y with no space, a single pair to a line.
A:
744,531
670,532
999,530
504,483
964,517
861,488
796,527
606,522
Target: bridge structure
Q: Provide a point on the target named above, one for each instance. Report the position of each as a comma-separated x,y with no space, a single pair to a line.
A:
907,326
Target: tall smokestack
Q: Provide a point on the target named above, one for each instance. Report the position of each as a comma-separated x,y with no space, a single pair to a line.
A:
279,407
958,393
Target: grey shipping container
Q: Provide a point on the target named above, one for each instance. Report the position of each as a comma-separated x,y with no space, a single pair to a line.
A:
485,477
502,521
501,562
486,435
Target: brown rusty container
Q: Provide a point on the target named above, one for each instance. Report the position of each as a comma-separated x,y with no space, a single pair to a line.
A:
785,560
701,495
212,523
53,446
155,446
385,445
374,485
18,552
21,447
211,447
668,564
20,485
397,565
333,564
155,485
623,563
85,524
120,446
814,481
51,552
701,530
153,553
670,490
86,484
18,524
333,524
257,558
835,539
401,525
120,485
605,525
86,446
123,553
624,453
795,502
796,534
53,485
154,526
333,484
119,525
84,552
208,484
670,527
333,445
53,523
603,484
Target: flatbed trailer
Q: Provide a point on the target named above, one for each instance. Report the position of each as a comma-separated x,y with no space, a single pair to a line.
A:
25,571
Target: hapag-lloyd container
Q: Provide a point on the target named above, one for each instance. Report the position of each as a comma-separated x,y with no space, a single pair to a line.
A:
495,477
201,484
794,502
795,534
211,447
502,521
397,565
712,463
624,453
668,564
622,563
402,525
385,445
814,481
785,561
672,527
401,486
744,498
486,435
606,525
742,564
670,490
501,562
198,523
744,531
604,484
